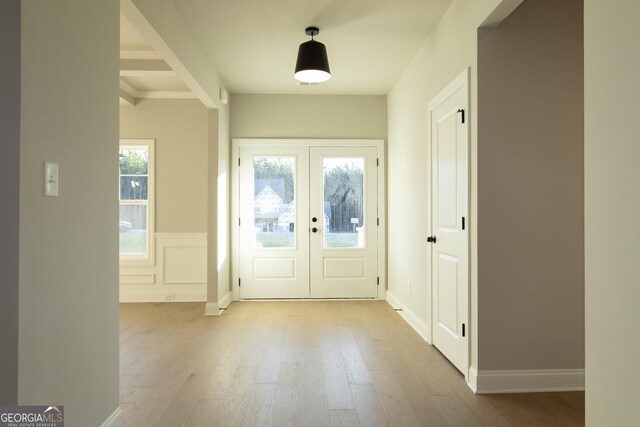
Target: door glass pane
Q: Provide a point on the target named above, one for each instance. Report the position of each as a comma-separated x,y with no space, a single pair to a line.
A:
343,225
133,229
274,205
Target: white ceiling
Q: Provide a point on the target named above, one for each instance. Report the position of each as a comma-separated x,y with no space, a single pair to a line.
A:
253,43
143,74
130,38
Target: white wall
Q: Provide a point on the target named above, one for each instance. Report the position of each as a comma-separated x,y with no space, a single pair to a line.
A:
68,338
449,49
308,116
612,203
10,196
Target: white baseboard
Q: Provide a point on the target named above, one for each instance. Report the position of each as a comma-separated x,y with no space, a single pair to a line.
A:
161,296
409,316
212,309
526,381
472,379
225,300
114,420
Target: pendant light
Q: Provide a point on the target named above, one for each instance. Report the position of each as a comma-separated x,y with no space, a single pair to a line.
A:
312,65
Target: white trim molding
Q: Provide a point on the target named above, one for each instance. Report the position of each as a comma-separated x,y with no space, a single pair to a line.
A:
526,381
236,143
212,309
225,300
114,420
178,274
472,379
419,325
148,259
137,279
216,309
182,257
139,54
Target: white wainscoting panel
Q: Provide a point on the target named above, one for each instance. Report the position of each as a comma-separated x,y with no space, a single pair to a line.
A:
137,279
180,272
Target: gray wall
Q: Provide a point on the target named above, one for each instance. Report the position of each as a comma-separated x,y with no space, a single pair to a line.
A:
308,116
612,203
68,337
530,189
10,197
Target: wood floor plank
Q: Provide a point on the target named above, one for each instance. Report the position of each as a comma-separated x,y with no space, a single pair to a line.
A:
454,411
393,400
311,363
511,411
314,390
288,407
336,380
416,391
344,418
205,413
368,406
536,410
562,409
183,401
269,369
355,365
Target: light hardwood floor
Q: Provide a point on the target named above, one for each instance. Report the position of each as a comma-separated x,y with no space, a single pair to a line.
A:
339,363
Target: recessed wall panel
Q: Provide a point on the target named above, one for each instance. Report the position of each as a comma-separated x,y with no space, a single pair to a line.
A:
447,292
274,268
447,172
341,268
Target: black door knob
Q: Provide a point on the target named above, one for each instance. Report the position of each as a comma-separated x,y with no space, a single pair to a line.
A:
431,239
314,230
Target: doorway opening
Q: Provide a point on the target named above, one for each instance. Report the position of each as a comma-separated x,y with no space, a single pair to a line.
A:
310,220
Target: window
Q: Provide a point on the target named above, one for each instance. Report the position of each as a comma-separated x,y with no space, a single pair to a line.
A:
136,199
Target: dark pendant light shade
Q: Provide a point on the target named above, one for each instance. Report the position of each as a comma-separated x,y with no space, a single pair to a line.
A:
312,65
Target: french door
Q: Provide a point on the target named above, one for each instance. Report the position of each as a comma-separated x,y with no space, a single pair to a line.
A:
307,224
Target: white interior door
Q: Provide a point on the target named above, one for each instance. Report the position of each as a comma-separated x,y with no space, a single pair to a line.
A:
273,229
449,220
344,230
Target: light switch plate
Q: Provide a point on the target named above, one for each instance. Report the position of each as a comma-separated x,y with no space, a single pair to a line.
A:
50,179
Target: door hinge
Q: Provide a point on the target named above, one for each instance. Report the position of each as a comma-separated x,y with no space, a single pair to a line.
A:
463,330
461,111
378,281
463,223
238,161
238,222
239,281
378,221
377,162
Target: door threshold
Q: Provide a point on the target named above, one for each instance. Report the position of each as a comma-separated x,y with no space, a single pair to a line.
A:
307,299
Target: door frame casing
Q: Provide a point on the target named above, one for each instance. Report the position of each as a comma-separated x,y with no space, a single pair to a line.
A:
236,143
462,80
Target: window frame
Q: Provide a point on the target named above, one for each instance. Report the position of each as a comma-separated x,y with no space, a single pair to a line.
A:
147,259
